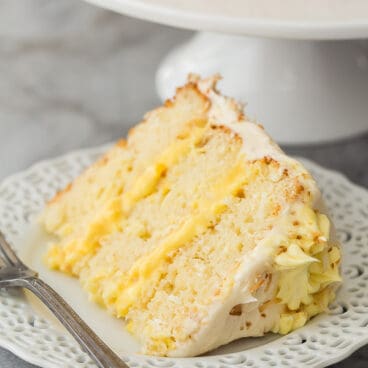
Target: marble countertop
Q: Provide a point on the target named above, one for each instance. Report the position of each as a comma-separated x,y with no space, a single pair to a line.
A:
72,75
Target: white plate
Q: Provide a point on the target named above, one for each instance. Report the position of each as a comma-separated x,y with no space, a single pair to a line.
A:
317,19
30,332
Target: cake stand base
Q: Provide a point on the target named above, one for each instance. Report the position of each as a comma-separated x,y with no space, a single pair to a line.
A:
301,91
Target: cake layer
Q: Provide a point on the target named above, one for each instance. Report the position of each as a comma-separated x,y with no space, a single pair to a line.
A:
197,230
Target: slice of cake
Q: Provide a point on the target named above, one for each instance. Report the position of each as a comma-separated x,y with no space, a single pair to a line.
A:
197,230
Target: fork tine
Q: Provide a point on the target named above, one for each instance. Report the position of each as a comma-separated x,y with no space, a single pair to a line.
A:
2,263
9,256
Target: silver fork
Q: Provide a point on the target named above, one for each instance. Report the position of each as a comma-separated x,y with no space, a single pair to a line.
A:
14,273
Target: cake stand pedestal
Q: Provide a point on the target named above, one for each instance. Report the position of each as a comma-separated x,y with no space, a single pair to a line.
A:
302,91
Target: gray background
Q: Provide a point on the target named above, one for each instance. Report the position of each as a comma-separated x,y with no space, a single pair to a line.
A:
72,76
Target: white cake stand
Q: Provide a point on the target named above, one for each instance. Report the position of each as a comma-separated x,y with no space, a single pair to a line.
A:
307,82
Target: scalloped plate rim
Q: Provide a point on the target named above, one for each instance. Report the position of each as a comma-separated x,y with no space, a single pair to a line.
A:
30,358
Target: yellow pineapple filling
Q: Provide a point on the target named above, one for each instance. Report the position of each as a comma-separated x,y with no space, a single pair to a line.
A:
306,271
138,278
108,218
147,182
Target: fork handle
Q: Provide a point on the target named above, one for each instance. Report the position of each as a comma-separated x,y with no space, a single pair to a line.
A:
88,340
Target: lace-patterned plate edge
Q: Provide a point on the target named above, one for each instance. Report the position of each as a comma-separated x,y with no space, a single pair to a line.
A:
327,339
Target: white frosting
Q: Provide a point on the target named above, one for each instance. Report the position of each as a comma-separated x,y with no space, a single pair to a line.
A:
220,327
225,111
257,144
